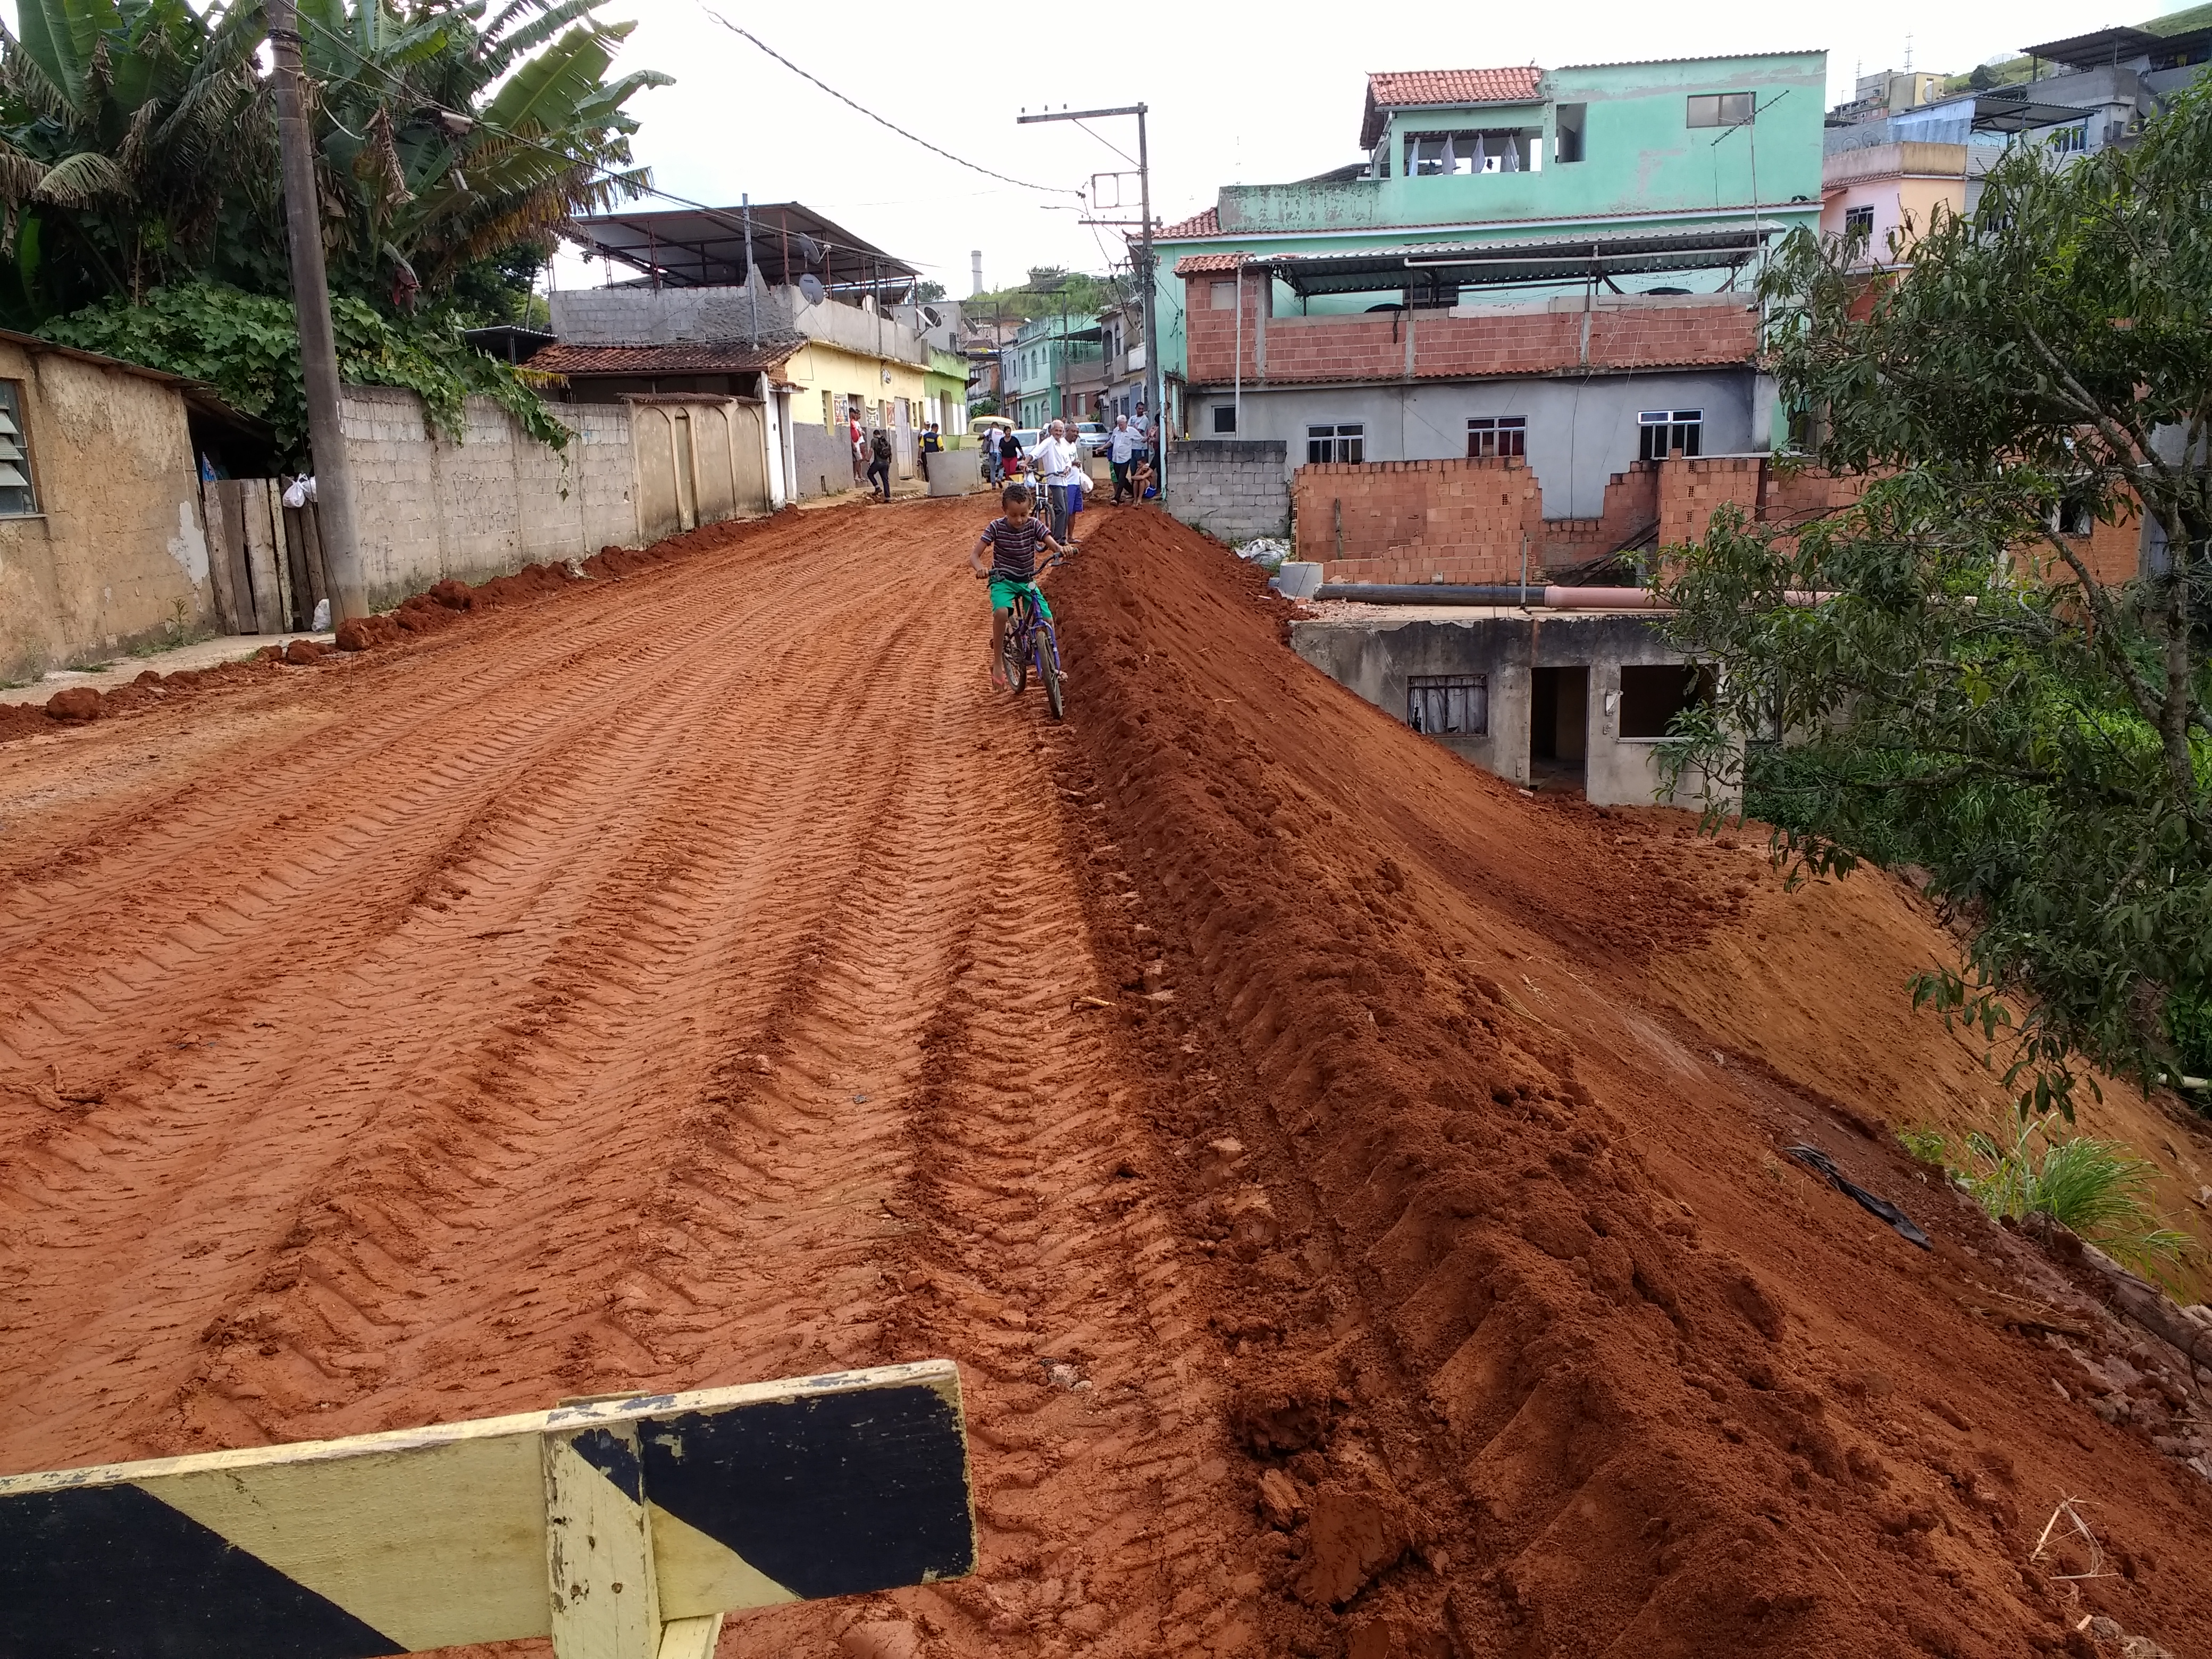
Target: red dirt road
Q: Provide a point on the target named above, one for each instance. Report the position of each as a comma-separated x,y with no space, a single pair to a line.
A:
687,980
668,986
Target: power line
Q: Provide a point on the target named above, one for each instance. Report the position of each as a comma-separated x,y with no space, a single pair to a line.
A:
636,181
1054,190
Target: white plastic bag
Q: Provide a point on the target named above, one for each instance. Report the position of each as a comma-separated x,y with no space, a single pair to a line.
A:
301,492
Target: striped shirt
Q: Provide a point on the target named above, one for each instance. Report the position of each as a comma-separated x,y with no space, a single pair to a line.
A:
1014,548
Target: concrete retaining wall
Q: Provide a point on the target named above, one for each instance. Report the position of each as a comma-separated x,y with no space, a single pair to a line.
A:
495,502
1232,489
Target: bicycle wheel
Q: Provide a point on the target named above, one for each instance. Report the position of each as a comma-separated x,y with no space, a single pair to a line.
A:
1046,645
1015,656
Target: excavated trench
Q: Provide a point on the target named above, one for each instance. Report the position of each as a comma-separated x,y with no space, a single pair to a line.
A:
1351,1187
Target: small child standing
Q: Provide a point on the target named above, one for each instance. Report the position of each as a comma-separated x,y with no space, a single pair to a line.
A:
1012,543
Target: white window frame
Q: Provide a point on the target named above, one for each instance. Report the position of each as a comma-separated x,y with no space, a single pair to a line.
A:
1678,423
1491,433
1341,441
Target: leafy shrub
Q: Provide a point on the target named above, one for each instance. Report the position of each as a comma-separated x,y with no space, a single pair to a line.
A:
247,348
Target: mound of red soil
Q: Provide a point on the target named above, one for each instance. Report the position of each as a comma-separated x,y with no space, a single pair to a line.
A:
79,703
1543,1345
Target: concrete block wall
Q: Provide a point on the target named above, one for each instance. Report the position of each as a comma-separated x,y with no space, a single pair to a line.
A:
1232,489
820,452
494,503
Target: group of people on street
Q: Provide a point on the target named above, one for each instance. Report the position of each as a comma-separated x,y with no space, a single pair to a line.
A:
1056,459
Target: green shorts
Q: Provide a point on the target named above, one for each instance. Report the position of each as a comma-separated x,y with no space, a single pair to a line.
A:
1002,596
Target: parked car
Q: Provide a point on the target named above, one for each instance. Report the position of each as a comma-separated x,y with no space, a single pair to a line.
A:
1093,435
1029,437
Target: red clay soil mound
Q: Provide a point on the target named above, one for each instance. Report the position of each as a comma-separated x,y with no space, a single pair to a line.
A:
1543,1344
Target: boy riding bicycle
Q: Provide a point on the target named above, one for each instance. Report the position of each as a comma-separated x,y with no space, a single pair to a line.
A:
1012,543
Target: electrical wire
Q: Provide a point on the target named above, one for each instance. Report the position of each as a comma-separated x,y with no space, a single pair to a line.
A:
1050,190
627,181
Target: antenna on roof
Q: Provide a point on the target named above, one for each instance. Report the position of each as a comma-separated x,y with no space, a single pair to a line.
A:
1908,54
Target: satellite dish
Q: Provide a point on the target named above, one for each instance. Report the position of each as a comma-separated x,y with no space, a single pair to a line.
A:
935,321
809,249
811,286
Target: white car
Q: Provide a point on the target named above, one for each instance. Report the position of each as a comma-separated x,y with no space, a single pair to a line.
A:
1093,435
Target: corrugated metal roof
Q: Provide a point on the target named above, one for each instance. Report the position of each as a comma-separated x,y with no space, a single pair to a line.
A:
1205,223
1521,83
720,358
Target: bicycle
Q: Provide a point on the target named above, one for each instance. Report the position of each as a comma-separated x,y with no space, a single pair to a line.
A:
1030,637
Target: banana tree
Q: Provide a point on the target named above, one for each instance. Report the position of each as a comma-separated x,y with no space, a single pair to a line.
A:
137,143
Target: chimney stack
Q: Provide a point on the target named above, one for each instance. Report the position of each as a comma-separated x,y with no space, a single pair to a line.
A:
975,269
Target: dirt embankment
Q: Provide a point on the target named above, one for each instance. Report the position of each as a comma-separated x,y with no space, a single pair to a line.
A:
1541,1344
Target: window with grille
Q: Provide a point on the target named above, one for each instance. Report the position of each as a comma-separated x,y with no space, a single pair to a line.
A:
16,496
1665,429
1858,224
1721,109
1448,703
1336,443
1497,434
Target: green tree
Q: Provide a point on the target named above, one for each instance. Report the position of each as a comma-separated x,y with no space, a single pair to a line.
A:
137,146
1975,699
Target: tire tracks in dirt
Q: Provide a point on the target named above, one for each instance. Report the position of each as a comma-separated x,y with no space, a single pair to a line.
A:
673,983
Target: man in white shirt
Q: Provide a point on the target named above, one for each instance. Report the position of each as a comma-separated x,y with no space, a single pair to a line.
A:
1056,460
1121,446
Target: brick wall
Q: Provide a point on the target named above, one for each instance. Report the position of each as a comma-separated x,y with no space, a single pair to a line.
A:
1632,506
1438,345
1229,488
1414,522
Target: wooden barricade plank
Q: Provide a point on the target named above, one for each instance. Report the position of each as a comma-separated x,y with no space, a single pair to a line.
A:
219,571
622,1528
231,492
292,553
255,497
303,528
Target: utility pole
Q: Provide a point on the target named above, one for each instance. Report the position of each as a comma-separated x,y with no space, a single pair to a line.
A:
311,298
1152,382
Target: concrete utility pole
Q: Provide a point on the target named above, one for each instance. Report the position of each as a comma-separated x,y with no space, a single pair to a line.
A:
1152,382
311,297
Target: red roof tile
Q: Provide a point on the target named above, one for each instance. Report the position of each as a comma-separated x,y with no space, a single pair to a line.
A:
1192,265
717,357
1520,84
1206,223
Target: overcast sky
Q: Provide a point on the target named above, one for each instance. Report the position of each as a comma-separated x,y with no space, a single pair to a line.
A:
1239,92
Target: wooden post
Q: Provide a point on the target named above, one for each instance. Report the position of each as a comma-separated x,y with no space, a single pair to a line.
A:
261,562
302,605
318,575
219,572
598,1546
232,493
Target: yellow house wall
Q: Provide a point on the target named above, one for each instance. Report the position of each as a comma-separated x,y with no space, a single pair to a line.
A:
116,555
818,367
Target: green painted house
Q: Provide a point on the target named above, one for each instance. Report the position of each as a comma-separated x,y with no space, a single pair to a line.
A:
1564,153
1567,250
1048,360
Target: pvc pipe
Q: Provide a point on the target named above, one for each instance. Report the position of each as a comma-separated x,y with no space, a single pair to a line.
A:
1515,596
1510,595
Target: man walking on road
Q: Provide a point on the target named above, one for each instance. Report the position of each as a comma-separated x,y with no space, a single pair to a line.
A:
879,468
1056,459
1120,451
